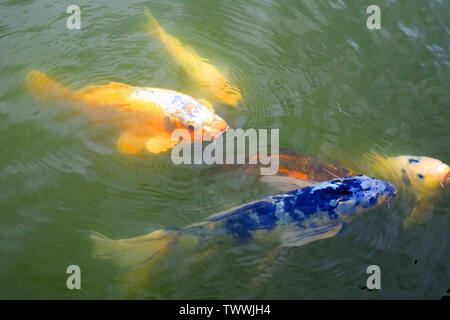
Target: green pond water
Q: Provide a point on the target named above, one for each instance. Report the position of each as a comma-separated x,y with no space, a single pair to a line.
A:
312,69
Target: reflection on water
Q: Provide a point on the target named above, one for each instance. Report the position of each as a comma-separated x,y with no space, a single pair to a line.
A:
335,89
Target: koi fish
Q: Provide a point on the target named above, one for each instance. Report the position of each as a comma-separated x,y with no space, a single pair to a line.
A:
202,72
297,171
420,176
294,170
297,217
147,116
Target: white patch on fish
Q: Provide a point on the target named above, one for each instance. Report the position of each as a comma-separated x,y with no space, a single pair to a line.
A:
186,108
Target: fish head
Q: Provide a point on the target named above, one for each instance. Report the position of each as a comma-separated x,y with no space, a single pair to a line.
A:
373,192
200,122
424,174
348,197
208,129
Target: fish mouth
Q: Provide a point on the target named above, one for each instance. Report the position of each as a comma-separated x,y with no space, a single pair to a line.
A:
445,180
392,193
209,133
388,199
219,133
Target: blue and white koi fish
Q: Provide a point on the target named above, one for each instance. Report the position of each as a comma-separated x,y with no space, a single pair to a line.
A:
297,217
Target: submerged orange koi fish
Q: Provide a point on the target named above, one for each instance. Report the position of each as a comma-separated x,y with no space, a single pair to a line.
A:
204,73
297,166
147,116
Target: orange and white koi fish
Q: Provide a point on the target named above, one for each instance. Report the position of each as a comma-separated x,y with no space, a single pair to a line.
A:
147,116
202,72
421,176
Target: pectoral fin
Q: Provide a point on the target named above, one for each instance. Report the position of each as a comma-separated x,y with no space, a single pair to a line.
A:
420,214
160,144
130,143
285,184
294,236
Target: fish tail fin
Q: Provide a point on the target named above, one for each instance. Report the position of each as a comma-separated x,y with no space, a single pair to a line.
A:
152,24
135,252
42,85
136,255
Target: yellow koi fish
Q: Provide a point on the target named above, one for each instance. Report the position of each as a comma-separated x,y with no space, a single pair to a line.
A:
421,176
195,66
147,116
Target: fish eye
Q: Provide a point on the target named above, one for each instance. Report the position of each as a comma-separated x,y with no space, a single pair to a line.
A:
420,175
190,127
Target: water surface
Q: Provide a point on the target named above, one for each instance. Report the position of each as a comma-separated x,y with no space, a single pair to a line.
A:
334,88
